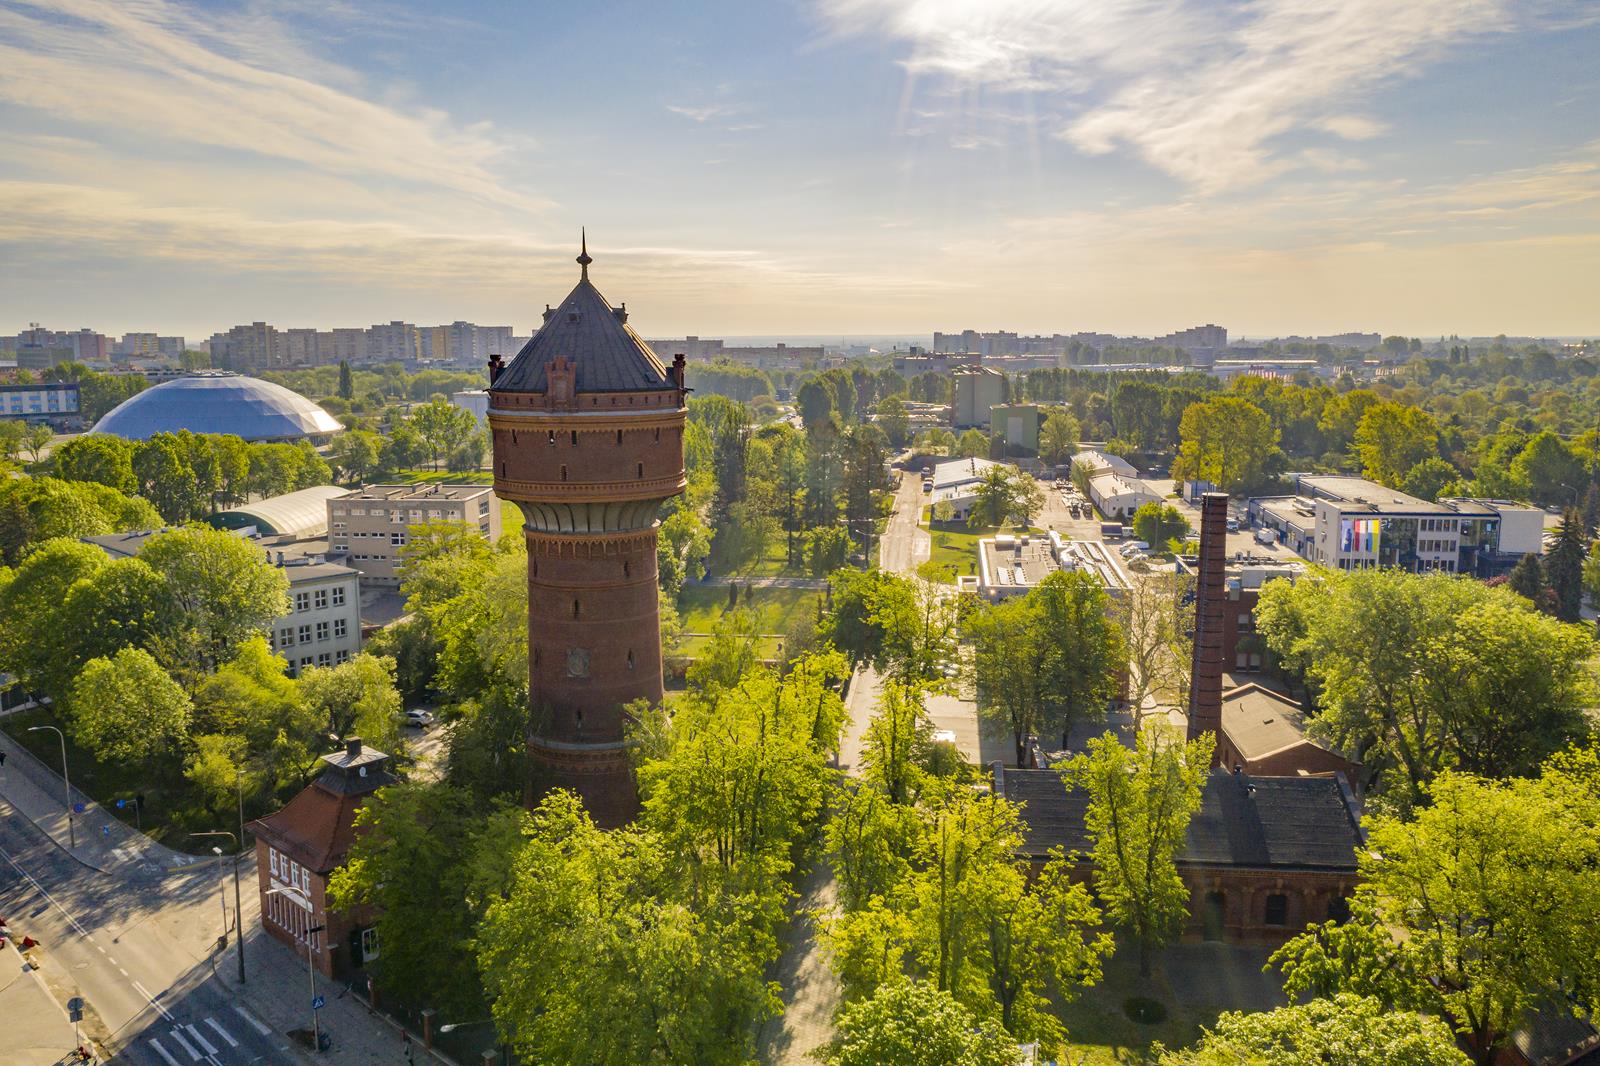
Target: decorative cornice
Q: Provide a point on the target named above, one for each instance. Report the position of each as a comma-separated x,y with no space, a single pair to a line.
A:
542,418
657,488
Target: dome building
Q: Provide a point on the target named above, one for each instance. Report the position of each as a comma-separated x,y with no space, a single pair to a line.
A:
219,402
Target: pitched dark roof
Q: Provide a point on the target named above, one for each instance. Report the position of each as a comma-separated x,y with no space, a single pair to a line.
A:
317,826
595,337
1258,822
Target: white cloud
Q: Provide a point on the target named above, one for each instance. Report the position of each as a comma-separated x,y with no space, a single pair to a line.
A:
1200,90
172,75
705,113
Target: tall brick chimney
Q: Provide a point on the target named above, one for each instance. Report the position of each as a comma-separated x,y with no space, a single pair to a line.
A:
1210,615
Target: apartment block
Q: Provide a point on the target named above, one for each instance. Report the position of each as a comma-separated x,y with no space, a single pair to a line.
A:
370,526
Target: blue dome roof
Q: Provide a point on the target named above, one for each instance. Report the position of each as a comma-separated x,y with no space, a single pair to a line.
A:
215,402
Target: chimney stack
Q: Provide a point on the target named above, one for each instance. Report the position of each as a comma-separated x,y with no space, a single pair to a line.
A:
1210,613
352,746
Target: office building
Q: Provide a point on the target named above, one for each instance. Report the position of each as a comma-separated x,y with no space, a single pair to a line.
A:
978,389
1017,424
54,402
369,527
1351,522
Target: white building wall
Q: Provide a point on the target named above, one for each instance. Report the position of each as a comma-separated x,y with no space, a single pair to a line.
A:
323,626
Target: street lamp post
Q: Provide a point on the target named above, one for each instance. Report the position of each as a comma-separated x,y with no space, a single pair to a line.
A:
72,833
311,973
238,912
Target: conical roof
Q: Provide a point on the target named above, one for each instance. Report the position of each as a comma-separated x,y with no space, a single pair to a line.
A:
606,355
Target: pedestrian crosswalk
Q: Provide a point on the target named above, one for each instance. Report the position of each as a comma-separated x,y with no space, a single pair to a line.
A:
205,1041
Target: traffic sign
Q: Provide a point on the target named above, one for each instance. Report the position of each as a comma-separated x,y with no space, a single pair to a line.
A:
75,1009
78,808
317,1002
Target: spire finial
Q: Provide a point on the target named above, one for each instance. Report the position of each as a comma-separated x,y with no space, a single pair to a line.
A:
583,256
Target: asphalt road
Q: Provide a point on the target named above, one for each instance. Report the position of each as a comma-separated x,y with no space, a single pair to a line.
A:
150,1002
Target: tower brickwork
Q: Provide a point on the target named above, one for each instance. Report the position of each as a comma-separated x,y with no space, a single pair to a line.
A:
1210,616
587,429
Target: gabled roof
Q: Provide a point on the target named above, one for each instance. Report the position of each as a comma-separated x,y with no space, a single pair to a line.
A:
317,826
606,354
1246,821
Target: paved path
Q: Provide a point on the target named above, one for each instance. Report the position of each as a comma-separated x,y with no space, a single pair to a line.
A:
905,545
765,582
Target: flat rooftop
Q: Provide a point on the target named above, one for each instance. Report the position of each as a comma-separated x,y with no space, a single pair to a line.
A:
1017,567
1358,493
416,492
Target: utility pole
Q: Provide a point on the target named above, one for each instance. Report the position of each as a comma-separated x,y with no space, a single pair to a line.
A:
238,910
72,833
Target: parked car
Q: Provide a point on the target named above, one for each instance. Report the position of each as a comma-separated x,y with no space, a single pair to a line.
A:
418,718
1233,525
944,736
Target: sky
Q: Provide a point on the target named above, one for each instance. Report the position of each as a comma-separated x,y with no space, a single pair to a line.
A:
805,167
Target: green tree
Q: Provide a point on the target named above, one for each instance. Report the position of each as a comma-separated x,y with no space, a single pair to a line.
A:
1563,565
224,589
1227,441
356,455
1527,580
127,708
1345,1030
815,401
34,509
31,599
1548,470
1474,909
827,549
1005,494
1058,436
631,968
1393,438
430,861
97,457
165,478
442,426
1415,673
123,604
912,1023
356,697
35,438
12,432
1140,803
347,387
973,444
1159,524
1430,479
893,420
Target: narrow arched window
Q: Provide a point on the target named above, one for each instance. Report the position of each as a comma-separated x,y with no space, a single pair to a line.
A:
552,436
574,438
619,436
626,568
563,471
630,658
641,470
574,608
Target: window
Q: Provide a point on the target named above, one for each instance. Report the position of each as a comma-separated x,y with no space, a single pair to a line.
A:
369,944
574,608
619,436
630,658
625,568
324,658
272,639
305,634
641,470
342,656
302,601
339,627
397,518
322,631
272,860
563,471
1277,909
397,539
574,438
416,515
320,598
286,637
306,662
552,436
338,596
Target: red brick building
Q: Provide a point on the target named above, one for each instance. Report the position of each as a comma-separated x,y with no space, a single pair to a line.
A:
1264,855
587,426
298,848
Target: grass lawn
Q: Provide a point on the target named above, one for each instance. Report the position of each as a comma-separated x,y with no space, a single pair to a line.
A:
772,564
776,609
955,547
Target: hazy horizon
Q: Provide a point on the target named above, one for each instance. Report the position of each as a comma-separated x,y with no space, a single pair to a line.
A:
817,168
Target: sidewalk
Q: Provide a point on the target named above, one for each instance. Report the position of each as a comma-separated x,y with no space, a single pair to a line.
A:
37,1032
104,842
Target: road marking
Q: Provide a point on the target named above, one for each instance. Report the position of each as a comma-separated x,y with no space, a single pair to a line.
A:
251,1018
163,1052
48,897
145,992
178,1036
102,951
202,1041
122,971
222,1032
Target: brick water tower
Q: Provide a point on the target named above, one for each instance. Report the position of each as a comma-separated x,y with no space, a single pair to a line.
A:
587,425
